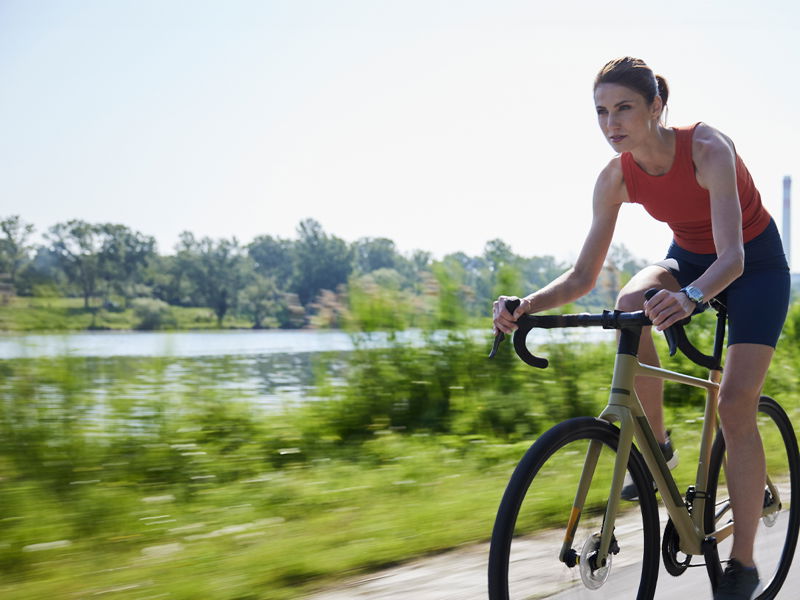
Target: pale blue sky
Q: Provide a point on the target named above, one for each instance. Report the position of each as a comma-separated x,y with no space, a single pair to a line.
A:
438,124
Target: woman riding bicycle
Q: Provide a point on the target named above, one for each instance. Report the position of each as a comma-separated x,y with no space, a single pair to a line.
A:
725,245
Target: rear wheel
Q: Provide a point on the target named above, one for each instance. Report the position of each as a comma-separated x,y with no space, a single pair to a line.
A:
776,538
534,514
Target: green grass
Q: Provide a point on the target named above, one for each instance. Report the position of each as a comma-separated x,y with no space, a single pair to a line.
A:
271,536
68,314
279,533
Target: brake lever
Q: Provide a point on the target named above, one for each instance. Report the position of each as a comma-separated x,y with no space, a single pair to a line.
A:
497,339
669,332
519,340
675,333
511,306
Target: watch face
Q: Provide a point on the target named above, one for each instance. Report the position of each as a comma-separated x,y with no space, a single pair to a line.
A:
694,294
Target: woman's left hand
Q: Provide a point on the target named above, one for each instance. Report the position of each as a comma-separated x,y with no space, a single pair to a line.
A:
667,308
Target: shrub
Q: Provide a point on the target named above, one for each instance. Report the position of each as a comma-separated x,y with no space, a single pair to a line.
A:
153,314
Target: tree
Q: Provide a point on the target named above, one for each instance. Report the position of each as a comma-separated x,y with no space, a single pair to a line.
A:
167,280
421,260
261,300
90,254
497,253
323,262
371,254
76,245
621,258
42,275
217,271
14,246
124,254
416,270
454,294
274,257
538,271
476,278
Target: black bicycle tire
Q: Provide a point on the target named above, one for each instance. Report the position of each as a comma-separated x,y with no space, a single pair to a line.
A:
771,408
535,457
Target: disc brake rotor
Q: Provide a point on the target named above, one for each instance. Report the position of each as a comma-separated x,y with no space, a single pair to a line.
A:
593,578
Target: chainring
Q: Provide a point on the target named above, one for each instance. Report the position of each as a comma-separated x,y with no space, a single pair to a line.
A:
670,551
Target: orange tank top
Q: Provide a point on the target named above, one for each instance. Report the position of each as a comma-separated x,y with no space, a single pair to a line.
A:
678,200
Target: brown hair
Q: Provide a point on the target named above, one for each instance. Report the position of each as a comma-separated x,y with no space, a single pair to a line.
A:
633,73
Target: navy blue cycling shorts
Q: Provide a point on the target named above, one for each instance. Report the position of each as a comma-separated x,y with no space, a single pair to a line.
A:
758,300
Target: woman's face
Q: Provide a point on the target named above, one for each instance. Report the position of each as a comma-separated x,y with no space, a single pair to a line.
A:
624,115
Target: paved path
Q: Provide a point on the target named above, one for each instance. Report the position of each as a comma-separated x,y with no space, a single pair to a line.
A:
461,575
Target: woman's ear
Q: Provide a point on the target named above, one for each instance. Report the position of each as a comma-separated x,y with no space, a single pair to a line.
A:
657,107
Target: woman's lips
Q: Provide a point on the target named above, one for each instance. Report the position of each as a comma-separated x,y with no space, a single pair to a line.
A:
616,139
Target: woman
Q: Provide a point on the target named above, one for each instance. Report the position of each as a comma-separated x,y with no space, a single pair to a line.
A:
725,244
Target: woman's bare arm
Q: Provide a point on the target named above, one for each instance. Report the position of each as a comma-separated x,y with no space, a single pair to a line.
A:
715,160
609,194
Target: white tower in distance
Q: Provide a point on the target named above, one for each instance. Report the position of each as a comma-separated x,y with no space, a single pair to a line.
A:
787,219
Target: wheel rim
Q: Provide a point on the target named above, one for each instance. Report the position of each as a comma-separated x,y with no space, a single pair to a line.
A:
532,565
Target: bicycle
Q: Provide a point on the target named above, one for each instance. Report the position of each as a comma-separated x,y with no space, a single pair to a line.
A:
604,535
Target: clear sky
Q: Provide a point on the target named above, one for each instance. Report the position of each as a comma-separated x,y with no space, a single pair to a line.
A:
440,124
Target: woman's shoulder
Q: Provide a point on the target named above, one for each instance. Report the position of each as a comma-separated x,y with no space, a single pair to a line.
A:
713,154
709,142
613,168
611,181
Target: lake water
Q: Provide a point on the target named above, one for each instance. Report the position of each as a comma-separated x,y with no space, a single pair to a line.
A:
173,344
221,343
269,367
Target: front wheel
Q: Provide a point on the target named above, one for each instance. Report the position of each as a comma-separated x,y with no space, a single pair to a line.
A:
776,537
524,558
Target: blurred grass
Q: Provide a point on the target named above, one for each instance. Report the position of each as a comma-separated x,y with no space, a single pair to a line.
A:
167,486
275,533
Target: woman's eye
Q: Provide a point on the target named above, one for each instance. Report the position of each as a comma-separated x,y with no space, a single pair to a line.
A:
601,111
625,107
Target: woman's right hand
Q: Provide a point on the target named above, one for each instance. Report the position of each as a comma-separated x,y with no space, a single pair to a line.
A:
504,321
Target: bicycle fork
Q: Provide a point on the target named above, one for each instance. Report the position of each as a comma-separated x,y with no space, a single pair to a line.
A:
568,555
618,410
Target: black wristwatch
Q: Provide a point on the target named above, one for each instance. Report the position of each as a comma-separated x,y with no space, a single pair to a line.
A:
694,294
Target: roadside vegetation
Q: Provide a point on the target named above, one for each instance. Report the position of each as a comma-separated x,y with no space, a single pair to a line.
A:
163,485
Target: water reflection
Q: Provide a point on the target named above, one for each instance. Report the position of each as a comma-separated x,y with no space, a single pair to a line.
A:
268,380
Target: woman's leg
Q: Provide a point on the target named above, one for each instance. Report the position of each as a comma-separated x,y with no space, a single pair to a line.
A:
650,390
745,369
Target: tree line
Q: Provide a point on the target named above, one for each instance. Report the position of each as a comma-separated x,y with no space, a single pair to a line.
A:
316,278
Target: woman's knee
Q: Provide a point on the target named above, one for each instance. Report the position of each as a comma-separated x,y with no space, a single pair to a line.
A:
745,369
737,411
630,299
631,296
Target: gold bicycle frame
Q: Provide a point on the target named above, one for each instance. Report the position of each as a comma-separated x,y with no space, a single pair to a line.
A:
625,408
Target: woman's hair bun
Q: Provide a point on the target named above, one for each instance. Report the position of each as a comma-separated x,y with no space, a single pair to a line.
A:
663,88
